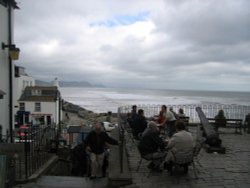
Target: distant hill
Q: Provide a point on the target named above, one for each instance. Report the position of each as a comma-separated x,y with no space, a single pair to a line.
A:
68,84
74,84
42,83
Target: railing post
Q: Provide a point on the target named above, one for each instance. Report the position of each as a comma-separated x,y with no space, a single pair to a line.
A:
26,153
121,149
121,139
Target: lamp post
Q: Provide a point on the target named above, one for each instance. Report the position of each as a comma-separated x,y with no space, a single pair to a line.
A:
13,51
12,54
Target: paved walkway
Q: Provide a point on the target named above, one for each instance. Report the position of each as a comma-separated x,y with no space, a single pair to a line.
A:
64,182
218,170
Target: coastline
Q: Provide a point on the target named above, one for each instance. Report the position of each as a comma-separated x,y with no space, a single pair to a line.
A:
76,115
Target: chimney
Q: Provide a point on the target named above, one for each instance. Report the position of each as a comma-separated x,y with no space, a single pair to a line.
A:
56,82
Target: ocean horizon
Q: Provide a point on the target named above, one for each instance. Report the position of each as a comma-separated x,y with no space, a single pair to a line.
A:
101,100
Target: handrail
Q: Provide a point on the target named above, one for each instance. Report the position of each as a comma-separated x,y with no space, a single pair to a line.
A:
121,140
34,156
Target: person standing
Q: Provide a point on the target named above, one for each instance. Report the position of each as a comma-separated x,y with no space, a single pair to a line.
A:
140,124
96,142
169,122
132,116
133,112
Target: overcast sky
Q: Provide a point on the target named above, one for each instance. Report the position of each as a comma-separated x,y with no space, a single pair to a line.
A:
167,44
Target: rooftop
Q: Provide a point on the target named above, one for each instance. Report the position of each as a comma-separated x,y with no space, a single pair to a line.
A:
40,93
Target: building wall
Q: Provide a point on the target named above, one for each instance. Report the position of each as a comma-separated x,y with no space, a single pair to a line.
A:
47,108
20,83
4,70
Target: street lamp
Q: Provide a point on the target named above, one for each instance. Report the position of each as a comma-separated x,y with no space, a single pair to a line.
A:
13,50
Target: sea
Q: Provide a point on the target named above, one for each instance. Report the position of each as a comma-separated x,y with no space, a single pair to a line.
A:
101,100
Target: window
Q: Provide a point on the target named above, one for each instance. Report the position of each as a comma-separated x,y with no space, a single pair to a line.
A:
22,106
36,92
37,107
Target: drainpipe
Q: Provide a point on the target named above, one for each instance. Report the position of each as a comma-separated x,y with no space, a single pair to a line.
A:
10,74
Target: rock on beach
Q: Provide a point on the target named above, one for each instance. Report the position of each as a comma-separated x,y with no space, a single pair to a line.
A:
75,115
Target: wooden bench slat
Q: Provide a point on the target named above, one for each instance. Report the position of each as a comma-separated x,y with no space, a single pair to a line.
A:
231,123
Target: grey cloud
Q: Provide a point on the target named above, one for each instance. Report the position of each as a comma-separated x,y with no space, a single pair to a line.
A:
192,44
207,22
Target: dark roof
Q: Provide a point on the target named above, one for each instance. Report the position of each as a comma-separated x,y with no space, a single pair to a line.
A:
13,3
52,88
74,129
46,94
79,129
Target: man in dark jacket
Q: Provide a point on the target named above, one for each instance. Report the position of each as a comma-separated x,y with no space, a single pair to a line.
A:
96,141
151,147
140,124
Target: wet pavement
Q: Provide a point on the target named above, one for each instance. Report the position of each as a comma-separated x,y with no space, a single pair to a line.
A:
231,169
64,182
228,170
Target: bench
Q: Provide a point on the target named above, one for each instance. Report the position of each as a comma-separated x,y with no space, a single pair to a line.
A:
247,124
230,123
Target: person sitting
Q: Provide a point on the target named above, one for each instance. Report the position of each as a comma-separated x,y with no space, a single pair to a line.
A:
140,124
247,123
174,113
181,113
96,142
160,118
220,120
169,122
109,117
180,148
151,147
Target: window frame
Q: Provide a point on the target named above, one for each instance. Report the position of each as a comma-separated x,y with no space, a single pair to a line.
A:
37,107
22,106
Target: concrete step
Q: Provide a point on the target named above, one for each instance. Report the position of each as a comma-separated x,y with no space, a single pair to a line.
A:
65,182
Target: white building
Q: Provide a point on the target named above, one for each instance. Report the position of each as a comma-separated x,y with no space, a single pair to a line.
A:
6,67
42,104
21,81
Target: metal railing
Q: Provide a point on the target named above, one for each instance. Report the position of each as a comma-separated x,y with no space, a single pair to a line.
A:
210,110
37,144
121,128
